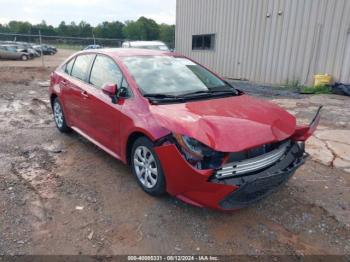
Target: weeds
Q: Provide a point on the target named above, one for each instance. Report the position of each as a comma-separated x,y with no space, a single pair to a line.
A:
295,85
316,90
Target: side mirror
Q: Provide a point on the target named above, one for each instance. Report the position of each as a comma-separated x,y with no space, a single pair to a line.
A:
110,90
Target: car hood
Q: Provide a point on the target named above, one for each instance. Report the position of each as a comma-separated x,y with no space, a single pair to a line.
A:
230,124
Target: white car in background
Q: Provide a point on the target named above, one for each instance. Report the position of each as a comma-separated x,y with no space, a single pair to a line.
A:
154,45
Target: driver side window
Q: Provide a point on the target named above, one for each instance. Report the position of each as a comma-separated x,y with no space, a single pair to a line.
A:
105,71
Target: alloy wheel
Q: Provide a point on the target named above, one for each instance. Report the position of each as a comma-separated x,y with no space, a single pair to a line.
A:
145,167
58,115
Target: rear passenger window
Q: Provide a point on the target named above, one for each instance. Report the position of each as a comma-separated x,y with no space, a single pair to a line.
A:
69,66
81,66
105,71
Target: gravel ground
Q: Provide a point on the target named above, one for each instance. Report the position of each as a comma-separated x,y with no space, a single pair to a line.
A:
61,195
265,91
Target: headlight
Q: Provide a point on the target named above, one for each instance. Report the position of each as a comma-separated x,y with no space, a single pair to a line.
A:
198,154
194,148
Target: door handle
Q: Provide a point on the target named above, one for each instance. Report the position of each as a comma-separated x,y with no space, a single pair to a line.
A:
85,94
64,82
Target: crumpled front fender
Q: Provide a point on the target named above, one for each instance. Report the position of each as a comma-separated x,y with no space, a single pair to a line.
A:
187,183
303,133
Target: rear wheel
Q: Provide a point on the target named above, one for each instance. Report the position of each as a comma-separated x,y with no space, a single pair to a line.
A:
146,167
24,57
60,120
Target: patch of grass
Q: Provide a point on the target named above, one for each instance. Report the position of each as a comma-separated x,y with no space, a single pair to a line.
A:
70,47
293,85
316,90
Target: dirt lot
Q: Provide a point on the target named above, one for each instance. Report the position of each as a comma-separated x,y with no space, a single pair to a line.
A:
60,194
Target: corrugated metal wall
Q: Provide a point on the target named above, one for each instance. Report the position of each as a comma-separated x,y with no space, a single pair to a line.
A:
307,38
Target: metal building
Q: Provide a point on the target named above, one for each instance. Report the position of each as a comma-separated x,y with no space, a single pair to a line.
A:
271,41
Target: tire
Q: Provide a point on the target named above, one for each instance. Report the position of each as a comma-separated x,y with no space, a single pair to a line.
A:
59,118
24,57
146,167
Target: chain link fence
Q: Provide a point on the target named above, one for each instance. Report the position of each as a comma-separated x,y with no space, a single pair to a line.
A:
41,49
75,43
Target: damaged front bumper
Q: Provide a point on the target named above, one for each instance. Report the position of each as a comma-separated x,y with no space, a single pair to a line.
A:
259,185
234,190
236,184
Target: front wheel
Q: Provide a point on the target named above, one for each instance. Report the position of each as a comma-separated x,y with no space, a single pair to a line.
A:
146,167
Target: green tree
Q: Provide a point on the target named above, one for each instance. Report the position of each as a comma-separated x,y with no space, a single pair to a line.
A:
132,30
142,29
62,29
109,30
3,28
73,30
149,28
19,27
85,29
44,29
167,34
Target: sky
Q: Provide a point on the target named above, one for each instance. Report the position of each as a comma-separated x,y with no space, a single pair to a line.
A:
91,11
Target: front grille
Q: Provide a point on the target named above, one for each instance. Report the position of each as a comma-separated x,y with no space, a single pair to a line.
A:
253,164
257,186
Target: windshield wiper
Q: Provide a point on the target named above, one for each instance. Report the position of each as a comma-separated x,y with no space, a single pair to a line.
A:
211,92
160,96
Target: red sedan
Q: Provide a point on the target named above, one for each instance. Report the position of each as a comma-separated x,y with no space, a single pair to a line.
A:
181,128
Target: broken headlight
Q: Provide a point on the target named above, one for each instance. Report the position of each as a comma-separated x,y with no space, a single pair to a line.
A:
198,154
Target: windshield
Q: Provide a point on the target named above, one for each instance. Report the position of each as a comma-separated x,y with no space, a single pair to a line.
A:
165,75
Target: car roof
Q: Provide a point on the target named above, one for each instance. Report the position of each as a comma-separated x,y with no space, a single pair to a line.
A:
145,43
124,52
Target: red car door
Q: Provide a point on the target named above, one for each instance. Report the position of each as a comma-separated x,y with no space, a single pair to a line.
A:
66,91
103,117
73,92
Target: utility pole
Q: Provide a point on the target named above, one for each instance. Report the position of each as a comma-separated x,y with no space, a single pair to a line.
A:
41,50
92,31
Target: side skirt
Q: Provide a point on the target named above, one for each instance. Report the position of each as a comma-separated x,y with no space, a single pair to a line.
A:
95,142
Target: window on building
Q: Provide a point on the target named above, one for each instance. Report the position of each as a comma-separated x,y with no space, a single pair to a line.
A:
203,42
